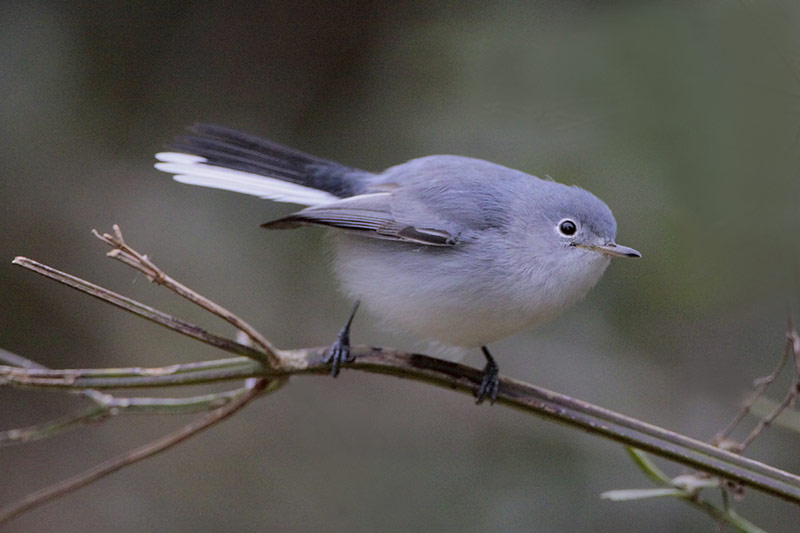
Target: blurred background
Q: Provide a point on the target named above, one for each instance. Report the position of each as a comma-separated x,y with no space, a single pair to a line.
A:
683,116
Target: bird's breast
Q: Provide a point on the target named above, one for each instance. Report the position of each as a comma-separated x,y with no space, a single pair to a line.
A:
460,297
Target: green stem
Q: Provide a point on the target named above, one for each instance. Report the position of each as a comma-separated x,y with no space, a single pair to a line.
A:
51,428
728,516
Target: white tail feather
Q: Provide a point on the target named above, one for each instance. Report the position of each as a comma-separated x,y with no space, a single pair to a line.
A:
193,170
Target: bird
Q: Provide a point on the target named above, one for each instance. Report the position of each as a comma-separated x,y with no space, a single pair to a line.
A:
450,249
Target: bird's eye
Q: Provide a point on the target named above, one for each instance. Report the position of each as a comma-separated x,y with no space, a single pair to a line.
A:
567,227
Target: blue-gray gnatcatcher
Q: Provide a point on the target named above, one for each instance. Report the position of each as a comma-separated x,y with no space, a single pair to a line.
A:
453,249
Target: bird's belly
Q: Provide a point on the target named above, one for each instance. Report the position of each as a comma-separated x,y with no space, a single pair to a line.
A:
445,296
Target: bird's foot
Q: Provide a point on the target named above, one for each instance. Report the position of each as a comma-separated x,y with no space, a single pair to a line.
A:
490,384
339,352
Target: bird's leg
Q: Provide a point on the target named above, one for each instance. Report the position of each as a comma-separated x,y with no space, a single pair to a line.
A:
339,352
491,379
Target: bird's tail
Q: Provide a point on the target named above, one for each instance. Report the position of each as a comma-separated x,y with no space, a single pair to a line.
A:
223,158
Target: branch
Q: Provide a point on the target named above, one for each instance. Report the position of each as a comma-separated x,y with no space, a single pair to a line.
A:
13,359
163,319
512,393
688,486
148,450
52,427
791,349
274,367
124,253
114,406
135,377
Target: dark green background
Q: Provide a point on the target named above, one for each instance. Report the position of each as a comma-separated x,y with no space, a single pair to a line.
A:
683,116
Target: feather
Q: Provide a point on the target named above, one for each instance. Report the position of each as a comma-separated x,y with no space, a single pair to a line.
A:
194,170
368,214
237,150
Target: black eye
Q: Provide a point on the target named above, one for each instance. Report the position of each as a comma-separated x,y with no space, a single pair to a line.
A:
567,227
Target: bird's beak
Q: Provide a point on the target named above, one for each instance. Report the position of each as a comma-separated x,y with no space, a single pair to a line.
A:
612,249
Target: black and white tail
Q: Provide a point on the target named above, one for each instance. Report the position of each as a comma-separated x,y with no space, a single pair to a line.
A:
223,158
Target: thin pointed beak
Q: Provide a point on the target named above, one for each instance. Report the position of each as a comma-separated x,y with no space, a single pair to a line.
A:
613,249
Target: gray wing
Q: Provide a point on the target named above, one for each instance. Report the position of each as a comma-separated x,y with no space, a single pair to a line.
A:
434,200
370,215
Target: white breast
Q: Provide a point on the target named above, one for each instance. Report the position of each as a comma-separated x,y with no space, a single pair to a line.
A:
460,299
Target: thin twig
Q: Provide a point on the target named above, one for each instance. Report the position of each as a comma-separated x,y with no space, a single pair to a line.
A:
148,450
789,399
144,311
124,253
12,359
107,405
116,406
51,428
69,375
759,386
99,398
791,349
700,480
99,378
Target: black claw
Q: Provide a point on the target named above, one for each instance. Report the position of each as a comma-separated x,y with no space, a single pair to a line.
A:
339,352
490,384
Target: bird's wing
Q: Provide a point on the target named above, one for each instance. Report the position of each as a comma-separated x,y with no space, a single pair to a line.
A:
369,215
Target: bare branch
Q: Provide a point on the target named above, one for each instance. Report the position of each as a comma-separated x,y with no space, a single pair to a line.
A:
554,406
143,452
124,253
688,486
759,386
138,377
789,399
52,427
144,311
12,359
539,401
116,406
791,349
